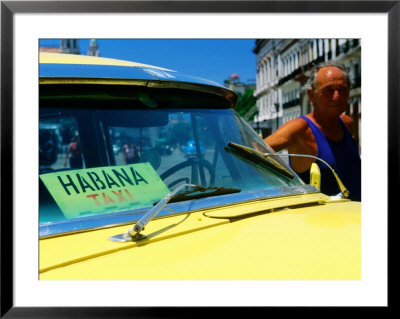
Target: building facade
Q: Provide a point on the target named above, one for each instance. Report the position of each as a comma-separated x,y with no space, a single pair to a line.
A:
69,46
283,68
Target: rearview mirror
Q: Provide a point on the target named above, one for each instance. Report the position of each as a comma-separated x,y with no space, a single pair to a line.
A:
135,118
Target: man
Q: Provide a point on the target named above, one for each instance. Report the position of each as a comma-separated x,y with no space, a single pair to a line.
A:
130,153
326,132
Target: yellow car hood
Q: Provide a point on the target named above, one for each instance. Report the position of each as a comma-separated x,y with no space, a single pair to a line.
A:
303,237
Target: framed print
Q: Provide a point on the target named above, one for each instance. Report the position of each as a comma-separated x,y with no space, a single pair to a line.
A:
25,23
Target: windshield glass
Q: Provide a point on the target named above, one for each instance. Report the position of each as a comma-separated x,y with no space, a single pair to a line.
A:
119,159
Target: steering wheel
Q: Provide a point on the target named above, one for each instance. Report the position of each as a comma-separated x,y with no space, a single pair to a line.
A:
193,162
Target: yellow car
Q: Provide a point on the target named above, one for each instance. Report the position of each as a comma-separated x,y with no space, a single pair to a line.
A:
119,200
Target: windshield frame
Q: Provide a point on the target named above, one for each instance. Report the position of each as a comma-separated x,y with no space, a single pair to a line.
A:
128,216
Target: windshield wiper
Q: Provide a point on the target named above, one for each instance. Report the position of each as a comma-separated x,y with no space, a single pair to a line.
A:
201,193
258,158
133,234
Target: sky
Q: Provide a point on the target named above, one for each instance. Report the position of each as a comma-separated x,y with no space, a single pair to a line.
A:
212,59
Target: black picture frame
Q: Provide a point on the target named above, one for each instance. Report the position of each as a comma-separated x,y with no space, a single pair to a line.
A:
9,8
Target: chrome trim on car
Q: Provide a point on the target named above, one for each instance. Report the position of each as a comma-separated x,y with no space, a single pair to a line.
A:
128,217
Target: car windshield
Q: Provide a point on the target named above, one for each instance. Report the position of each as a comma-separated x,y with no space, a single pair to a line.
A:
97,161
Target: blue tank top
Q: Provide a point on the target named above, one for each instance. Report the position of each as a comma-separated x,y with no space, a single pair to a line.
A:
342,156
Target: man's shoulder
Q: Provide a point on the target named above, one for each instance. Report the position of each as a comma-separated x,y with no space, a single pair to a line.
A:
348,121
293,132
297,125
294,129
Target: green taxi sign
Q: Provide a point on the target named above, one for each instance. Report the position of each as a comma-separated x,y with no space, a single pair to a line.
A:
107,189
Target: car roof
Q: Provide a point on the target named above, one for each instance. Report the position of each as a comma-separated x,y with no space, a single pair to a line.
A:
72,65
59,68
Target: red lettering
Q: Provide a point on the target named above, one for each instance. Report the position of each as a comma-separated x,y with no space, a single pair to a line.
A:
107,199
120,197
129,194
95,199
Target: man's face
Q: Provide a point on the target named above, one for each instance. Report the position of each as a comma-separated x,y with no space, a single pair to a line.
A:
331,92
